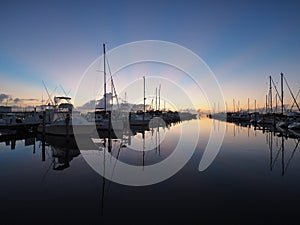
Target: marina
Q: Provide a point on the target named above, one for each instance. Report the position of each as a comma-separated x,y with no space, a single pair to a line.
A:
149,112
77,160
279,116
252,159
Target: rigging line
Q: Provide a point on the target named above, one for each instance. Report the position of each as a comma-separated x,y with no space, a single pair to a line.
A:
108,186
296,98
292,155
114,89
112,83
103,180
63,90
276,157
48,169
291,93
49,96
280,99
113,149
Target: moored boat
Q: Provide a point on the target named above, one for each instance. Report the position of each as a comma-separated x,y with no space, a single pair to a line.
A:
294,126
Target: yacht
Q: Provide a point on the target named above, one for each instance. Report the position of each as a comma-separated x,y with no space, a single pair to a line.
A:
65,120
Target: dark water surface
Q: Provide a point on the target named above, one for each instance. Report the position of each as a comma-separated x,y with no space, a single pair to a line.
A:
255,179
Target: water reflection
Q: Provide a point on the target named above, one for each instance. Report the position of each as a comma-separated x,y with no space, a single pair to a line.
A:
134,143
10,138
134,140
277,145
282,143
254,164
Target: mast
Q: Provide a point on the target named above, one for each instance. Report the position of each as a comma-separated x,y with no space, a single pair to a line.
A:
144,113
281,74
214,108
266,104
155,99
104,69
233,105
248,105
112,92
144,94
276,103
270,93
159,97
255,111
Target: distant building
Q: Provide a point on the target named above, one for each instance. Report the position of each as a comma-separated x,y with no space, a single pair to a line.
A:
5,109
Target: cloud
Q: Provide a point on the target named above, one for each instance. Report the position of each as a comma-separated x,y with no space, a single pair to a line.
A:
16,100
30,99
4,97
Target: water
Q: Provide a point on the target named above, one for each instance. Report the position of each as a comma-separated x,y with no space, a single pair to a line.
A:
253,180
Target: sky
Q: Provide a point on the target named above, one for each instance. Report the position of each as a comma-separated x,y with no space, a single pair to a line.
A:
242,42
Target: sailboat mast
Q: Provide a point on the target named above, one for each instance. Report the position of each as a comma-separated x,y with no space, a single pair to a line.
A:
266,104
276,103
281,93
104,69
159,97
214,108
144,94
248,105
270,93
233,101
156,99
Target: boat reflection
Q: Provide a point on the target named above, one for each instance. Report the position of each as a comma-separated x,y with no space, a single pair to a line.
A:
282,143
63,156
279,148
10,137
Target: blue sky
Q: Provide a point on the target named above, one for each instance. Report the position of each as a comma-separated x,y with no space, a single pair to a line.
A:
243,42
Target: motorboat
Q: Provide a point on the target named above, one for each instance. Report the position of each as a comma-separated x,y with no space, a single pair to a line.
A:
67,121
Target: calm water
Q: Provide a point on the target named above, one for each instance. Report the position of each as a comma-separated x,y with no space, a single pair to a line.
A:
255,179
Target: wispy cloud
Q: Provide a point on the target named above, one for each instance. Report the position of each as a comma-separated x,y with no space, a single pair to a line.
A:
4,98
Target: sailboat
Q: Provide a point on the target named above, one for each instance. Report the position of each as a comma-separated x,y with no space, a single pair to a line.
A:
140,118
107,119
